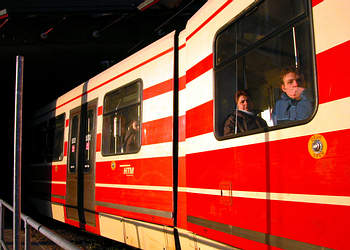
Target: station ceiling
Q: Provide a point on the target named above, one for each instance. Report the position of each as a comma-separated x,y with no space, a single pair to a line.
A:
66,42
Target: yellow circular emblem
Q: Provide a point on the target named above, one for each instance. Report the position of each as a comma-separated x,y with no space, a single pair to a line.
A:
317,146
113,165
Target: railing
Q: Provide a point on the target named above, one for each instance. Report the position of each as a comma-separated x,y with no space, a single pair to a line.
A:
61,242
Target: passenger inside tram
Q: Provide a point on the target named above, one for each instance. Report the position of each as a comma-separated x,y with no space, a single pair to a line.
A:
293,104
243,118
131,137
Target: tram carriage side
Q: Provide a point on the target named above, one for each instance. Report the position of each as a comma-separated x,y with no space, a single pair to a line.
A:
143,155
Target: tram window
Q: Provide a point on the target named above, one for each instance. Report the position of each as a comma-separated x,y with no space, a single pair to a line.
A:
121,120
55,136
250,55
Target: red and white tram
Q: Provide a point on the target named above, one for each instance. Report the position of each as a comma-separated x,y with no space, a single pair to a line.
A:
138,153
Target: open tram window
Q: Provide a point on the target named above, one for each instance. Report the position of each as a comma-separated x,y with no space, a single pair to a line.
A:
264,69
55,136
121,120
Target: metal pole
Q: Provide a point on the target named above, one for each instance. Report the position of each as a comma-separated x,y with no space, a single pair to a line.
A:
2,225
27,236
17,155
1,222
63,243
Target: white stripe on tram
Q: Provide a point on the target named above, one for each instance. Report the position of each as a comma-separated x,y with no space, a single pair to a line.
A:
136,187
51,182
307,198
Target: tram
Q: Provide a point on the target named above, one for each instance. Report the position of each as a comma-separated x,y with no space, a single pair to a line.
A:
140,154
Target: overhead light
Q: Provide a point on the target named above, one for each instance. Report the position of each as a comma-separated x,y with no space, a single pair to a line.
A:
146,4
97,33
3,23
3,14
45,34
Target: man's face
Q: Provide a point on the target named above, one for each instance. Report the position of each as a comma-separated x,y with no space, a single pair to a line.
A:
291,85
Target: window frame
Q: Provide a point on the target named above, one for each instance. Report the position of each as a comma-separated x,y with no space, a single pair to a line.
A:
307,15
44,125
138,82
61,157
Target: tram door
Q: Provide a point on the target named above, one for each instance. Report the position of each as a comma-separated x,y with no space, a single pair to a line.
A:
80,192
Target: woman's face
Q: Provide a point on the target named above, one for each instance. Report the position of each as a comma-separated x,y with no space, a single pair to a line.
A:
243,103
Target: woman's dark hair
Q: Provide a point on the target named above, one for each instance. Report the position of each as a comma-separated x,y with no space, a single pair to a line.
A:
240,93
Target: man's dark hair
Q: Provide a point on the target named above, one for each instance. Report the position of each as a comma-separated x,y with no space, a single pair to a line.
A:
290,69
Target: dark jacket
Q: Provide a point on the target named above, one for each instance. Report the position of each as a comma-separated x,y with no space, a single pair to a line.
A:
130,141
245,122
287,109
